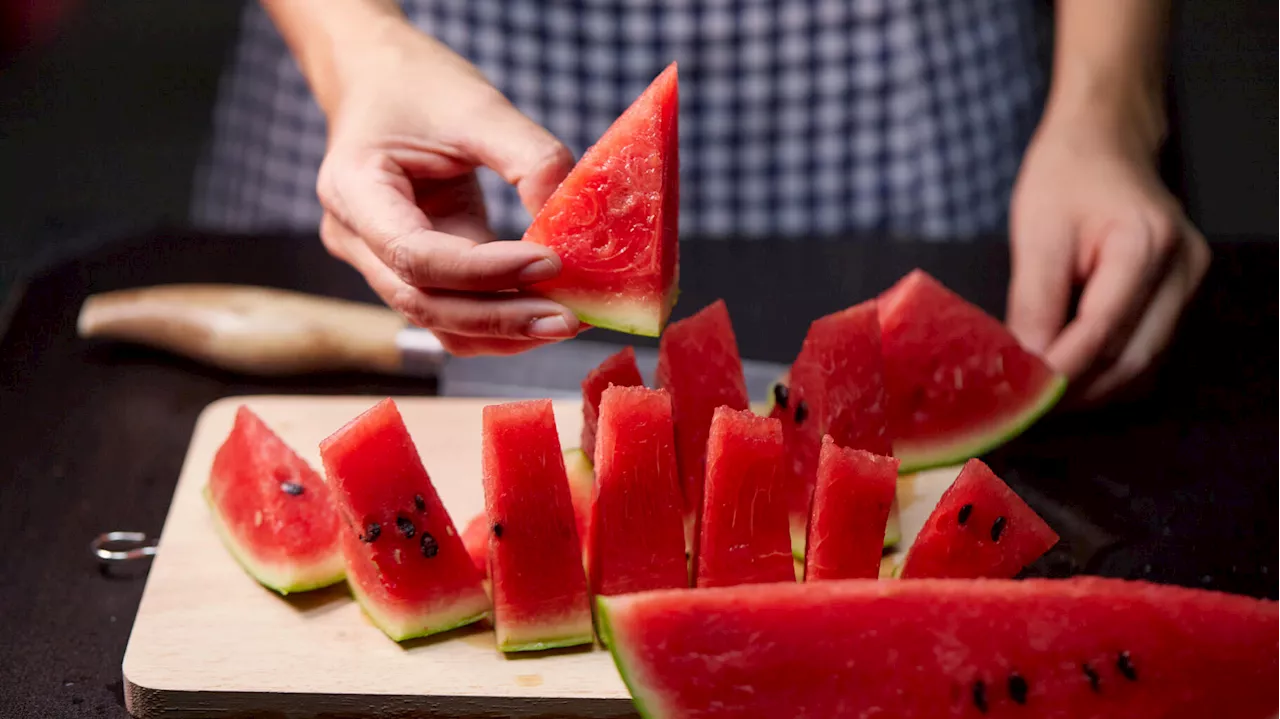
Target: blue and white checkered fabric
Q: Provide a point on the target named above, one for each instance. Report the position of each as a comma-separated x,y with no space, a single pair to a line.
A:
798,117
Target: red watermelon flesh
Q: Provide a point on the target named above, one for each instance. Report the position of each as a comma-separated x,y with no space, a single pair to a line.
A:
1034,649
851,501
745,536
272,510
837,388
959,383
980,528
698,363
406,562
535,557
613,220
617,369
637,530
475,537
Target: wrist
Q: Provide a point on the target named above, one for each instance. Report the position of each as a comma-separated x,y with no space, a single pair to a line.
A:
1127,114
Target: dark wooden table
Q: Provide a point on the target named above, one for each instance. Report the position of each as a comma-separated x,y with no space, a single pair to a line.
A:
1178,485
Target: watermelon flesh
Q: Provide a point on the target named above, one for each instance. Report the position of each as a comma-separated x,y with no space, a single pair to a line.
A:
406,563
980,528
637,530
837,388
272,510
617,369
959,382
475,537
582,480
535,557
851,502
613,220
1087,647
745,535
698,363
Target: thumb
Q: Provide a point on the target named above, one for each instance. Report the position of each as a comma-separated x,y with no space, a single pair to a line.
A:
520,150
1040,286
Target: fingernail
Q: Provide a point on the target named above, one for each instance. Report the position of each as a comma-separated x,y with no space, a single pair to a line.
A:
538,271
553,327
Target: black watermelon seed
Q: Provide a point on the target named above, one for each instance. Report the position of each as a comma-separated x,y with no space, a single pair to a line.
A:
780,395
1093,677
1125,665
497,531
419,503
963,516
980,696
802,411
371,532
291,488
405,525
1017,689
997,528
429,546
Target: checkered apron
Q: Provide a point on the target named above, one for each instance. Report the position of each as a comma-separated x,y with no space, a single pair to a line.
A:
799,118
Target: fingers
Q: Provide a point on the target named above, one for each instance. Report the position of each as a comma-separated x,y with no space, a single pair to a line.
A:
503,316
1156,327
521,151
1121,276
464,346
377,204
1040,286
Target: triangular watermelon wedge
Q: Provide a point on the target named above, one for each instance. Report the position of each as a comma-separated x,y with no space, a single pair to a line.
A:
613,220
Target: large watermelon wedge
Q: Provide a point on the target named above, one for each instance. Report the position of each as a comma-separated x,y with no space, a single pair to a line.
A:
613,220
1089,647
959,383
272,510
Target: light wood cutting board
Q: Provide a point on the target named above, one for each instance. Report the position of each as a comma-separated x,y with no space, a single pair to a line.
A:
208,641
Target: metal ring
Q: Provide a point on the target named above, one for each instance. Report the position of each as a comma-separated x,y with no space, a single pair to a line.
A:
141,546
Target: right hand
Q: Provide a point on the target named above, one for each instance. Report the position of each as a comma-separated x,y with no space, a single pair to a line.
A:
409,122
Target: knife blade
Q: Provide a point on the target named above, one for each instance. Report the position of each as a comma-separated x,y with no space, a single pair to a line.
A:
269,332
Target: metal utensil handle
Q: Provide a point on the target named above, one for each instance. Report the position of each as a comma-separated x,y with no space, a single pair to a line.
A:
140,546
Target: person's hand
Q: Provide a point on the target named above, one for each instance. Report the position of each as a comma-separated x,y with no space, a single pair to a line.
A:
409,121
1089,209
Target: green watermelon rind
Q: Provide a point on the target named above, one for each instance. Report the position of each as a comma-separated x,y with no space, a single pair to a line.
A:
634,688
613,314
421,626
976,445
322,575
576,640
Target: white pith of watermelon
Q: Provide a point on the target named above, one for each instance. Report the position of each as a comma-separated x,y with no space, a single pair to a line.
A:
1101,648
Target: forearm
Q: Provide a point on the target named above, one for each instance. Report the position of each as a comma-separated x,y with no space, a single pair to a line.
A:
1108,67
321,34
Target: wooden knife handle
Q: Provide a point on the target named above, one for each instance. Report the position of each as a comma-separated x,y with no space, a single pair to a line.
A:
256,330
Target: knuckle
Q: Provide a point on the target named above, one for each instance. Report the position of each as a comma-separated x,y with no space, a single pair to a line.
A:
1164,236
407,262
416,307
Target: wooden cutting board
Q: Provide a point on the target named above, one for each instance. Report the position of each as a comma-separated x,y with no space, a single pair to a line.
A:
209,641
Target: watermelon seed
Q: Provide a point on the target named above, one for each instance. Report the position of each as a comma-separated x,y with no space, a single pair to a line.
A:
1126,667
780,393
1093,677
497,531
802,411
430,547
997,528
371,532
980,696
1017,689
291,488
965,511
405,525
419,503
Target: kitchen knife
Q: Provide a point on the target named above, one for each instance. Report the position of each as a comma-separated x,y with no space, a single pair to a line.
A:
270,332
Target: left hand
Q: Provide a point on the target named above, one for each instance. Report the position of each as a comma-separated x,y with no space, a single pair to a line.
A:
1089,208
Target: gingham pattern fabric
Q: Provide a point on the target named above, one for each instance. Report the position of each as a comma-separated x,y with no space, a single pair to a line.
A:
799,118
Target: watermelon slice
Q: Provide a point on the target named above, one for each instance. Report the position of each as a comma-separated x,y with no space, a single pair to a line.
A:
959,383
980,528
836,388
617,369
698,363
851,502
475,537
613,220
745,538
535,557
406,564
272,510
582,484
637,531
1088,647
